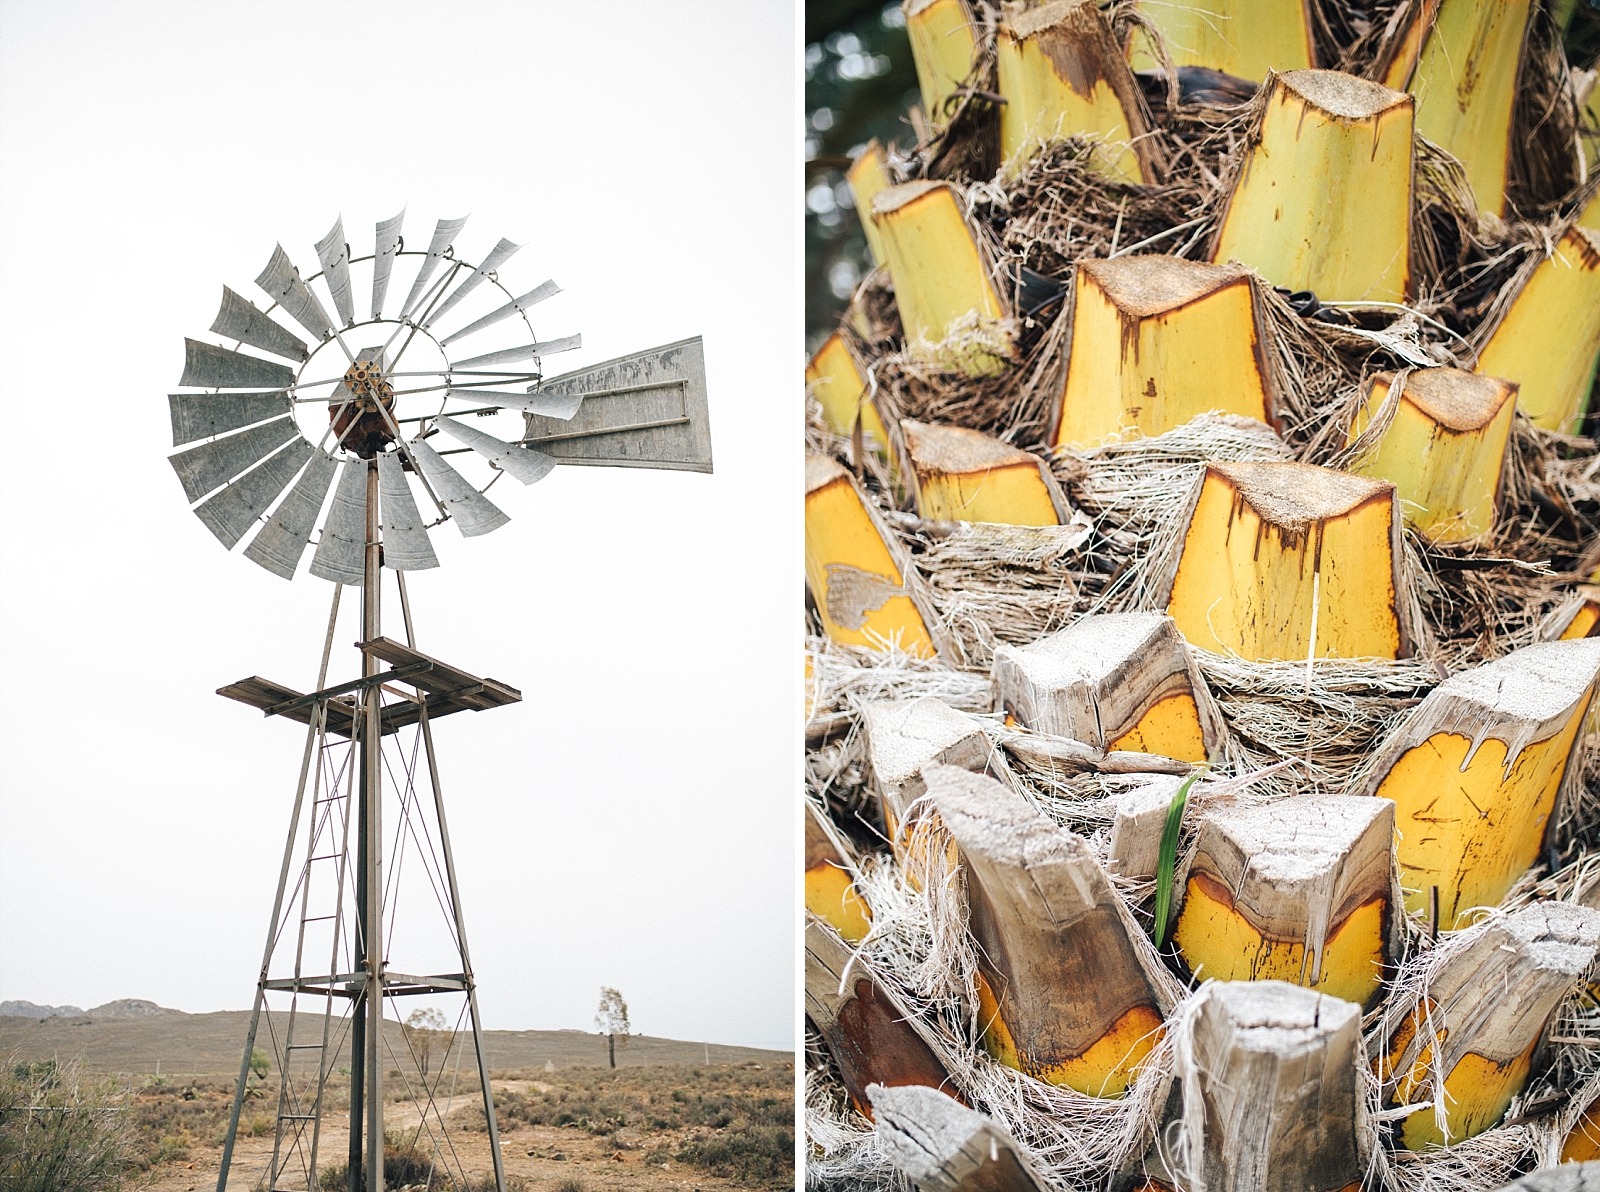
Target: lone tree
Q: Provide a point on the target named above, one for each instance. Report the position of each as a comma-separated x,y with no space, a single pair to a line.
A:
611,1020
425,1030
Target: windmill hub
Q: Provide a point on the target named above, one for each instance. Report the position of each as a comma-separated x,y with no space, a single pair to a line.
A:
359,419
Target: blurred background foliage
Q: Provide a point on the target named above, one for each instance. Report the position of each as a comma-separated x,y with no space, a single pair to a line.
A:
860,82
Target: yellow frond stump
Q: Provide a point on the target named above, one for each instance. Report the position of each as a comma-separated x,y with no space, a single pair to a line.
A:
1063,993
944,43
835,378
1475,771
1062,75
1284,561
942,276
1548,341
830,892
1479,1019
1267,1086
1120,681
965,475
854,569
1465,83
1323,200
1157,341
1444,448
1299,890
903,736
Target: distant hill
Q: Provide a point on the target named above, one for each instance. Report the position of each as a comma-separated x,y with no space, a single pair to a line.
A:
126,1007
134,1037
31,1010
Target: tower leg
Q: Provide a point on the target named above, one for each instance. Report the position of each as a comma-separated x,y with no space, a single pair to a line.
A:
466,957
372,837
313,731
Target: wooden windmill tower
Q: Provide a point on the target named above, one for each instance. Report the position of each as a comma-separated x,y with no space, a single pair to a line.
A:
328,442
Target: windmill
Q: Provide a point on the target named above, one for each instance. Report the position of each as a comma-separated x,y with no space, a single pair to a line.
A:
327,435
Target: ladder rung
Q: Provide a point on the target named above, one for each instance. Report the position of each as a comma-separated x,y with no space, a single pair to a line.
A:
297,1117
303,1047
318,918
328,857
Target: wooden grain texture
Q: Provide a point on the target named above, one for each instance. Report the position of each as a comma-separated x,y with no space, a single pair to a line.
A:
1267,1090
1476,1020
1066,990
941,1145
1114,681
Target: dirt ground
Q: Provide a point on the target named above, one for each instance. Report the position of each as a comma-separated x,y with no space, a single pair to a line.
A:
542,1156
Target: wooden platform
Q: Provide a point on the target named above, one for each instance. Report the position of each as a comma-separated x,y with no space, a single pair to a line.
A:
440,688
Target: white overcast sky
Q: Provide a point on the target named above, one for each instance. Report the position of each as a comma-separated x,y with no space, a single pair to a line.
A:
631,822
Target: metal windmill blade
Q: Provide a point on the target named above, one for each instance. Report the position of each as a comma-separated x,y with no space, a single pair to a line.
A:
272,448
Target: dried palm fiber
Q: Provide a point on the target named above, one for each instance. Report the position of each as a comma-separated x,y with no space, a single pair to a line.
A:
1323,721
840,681
992,583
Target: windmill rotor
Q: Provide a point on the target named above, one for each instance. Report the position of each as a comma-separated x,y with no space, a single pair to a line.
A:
278,417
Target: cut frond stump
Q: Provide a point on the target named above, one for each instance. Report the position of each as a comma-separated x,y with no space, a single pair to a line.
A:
1300,889
1062,75
867,1029
942,1146
1323,199
1548,340
1062,987
1115,681
944,42
1268,1092
1444,448
1467,54
1157,341
1286,561
830,892
965,475
902,737
1465,1039
836,379
854,569
943,277
1476,770
868,174
1243,38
